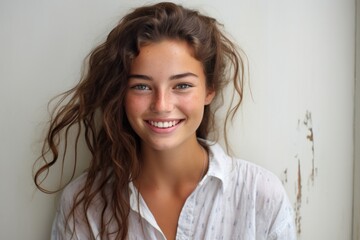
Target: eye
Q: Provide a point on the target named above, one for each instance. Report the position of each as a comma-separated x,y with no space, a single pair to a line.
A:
141,87
183,86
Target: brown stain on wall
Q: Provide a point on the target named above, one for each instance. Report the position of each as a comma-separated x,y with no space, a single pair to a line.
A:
310,137
305,154
285,176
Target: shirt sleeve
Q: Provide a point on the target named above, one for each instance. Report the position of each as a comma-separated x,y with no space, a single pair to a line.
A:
282,226
59,231
77,226
61,228
274,213
65,227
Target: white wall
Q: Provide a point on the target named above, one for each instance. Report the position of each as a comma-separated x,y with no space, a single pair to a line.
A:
302,60
356,219
301,57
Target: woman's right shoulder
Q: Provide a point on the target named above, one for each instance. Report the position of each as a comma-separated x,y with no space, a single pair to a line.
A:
72,189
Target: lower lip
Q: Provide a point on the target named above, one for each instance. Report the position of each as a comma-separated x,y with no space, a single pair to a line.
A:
163,130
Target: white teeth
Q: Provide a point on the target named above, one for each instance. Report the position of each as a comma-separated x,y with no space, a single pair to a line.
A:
163,124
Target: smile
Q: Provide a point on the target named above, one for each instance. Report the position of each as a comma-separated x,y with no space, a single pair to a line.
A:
164,124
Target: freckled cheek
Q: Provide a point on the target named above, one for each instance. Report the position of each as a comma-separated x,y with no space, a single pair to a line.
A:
135,105
192,105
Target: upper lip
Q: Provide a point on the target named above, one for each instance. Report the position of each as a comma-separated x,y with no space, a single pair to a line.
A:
164,119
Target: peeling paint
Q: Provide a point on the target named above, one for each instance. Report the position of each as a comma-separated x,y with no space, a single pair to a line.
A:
310,137
298,200
305,168
285,176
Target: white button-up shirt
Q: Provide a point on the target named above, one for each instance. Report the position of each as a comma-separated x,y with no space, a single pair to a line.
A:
235,200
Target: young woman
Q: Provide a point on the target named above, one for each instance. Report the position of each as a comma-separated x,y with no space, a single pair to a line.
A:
146,108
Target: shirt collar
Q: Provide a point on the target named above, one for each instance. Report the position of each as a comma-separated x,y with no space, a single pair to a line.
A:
220,164
138,205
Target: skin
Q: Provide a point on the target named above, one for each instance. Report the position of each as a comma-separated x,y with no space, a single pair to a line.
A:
164,104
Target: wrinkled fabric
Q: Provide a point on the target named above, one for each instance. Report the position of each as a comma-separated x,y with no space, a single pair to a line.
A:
235,200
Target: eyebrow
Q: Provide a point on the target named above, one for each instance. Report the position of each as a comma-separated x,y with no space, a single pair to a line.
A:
172,77
183,75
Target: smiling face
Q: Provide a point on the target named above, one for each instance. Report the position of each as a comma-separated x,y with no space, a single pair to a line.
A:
166,95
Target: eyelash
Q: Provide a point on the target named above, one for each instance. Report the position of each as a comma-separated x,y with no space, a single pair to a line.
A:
183,86
143,87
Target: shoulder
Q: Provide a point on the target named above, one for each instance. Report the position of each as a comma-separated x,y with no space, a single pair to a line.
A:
73,188
236,171
70,193
256,191
63,227
260,184
253,175
266,194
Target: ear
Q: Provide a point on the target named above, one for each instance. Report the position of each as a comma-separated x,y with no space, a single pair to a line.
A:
210,94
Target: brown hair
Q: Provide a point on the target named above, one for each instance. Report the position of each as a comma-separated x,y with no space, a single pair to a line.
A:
95,105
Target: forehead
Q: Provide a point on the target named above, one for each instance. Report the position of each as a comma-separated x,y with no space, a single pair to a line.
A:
166,46
166,56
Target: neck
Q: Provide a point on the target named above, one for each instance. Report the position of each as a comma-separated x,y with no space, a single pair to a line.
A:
174,167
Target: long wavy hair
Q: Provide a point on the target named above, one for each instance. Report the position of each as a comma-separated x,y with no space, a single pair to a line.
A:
95,105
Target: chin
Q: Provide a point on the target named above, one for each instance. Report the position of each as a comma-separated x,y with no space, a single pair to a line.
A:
162,145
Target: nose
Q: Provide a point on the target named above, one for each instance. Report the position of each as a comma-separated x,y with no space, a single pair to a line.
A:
162,102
